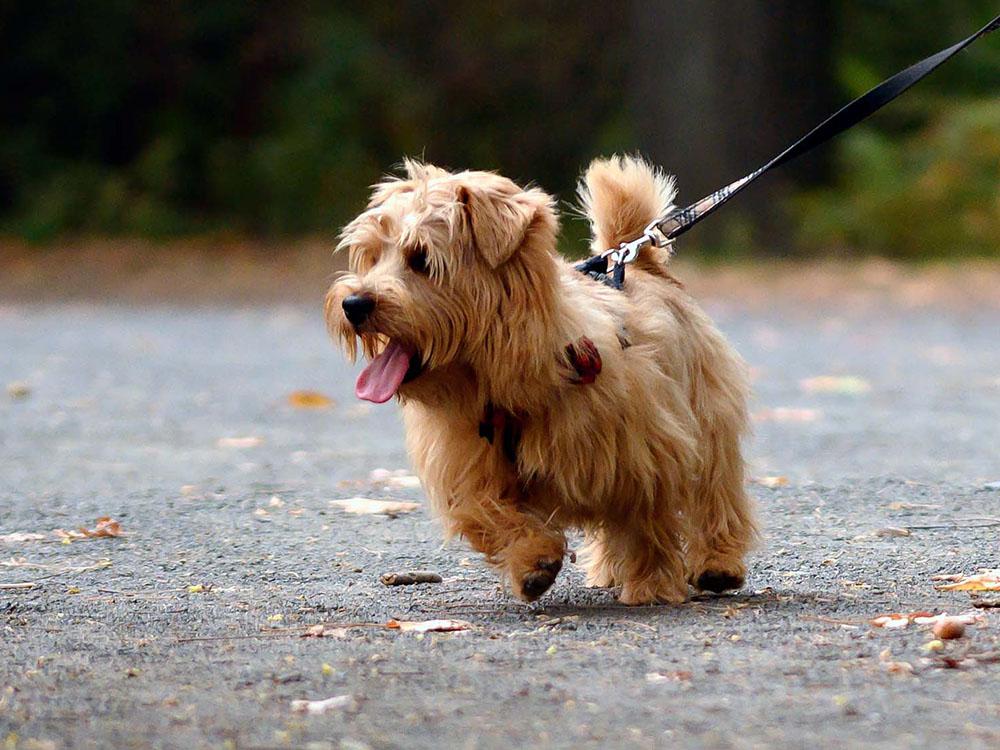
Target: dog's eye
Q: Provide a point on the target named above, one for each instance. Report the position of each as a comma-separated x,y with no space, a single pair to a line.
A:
417,261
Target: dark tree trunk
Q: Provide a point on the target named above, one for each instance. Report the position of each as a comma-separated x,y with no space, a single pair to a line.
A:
718,88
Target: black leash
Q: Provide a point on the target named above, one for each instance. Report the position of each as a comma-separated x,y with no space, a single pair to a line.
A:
610,265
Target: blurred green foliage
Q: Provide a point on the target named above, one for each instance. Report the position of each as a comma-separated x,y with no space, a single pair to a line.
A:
182,117
163,119
922,178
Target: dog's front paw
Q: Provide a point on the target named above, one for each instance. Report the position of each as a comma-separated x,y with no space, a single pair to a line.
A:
536,582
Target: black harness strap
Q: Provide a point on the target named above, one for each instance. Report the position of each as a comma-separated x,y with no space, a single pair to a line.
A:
609,266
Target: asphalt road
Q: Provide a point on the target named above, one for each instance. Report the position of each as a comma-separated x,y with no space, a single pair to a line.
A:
186,631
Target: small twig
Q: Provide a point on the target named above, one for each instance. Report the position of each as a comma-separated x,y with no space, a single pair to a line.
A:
409,577
281,632
11,586
832,620
986,603
961,523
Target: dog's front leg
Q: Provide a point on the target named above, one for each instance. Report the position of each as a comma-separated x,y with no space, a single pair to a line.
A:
525,550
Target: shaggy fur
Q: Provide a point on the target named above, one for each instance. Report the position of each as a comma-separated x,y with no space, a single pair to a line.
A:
646,459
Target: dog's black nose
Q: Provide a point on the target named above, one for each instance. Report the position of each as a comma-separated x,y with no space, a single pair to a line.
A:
358,307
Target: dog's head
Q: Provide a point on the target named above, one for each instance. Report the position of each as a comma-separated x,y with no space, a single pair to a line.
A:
437,264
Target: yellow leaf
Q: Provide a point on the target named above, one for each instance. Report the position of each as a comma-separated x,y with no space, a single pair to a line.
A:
985,580
309,400
772,482
848,384
196,589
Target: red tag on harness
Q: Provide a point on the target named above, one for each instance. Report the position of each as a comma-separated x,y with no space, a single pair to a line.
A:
585,360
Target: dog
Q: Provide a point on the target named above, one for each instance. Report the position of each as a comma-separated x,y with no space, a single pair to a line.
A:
536,399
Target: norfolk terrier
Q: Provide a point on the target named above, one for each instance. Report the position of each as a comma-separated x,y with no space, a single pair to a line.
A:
537,399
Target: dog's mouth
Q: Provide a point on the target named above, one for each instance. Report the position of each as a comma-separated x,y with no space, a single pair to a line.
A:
398,363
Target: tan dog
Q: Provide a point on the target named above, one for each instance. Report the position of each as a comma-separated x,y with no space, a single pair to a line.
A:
537,399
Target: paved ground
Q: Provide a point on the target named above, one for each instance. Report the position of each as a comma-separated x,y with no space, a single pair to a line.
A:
123,418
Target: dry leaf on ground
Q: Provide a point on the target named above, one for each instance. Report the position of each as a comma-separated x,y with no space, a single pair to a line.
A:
892,531
248,441
901,620
427,626
681,675
771,482
105,527
846,384
322,706
985,580
22,536
785,414
398,479
18,390
309,400
367,506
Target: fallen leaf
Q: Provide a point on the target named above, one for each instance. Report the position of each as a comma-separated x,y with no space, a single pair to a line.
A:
771,482
18,390
239,442
367,506
309,400
896,621
892,531
845,384
785,414
985,580
322,706
398,479
912,506
676,676
196,589
105,527
22,536
427,626
898,667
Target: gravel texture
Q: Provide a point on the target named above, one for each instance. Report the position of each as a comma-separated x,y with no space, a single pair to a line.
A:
187,631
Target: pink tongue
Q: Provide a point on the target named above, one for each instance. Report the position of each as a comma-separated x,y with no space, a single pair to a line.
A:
380,380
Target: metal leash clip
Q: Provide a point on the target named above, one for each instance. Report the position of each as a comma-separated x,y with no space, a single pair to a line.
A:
627,252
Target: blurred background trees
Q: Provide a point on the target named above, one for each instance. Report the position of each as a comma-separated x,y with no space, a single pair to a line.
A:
175,118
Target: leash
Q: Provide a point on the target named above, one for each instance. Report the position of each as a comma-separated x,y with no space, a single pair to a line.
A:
609,266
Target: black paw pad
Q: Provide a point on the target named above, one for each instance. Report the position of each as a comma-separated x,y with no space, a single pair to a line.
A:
716,581
538,581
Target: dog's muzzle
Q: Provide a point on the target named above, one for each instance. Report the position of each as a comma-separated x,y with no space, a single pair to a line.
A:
357,308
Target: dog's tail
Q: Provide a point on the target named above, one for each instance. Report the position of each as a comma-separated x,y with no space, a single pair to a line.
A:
621,196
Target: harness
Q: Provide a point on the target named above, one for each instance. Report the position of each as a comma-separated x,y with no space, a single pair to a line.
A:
609,266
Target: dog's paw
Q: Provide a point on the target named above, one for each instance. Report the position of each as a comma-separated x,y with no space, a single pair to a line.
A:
718,581
538,581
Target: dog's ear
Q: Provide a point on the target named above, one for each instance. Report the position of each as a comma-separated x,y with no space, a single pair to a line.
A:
498,222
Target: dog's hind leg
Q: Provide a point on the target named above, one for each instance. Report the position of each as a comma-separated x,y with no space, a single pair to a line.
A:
720,524
642,556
